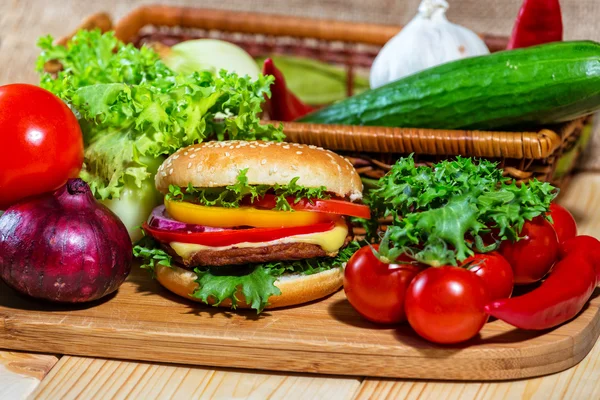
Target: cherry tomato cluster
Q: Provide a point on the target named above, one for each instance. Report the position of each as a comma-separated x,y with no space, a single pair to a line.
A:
448,304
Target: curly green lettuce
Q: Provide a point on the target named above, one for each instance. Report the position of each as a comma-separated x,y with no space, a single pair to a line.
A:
441,213
134,110
231,196
255,281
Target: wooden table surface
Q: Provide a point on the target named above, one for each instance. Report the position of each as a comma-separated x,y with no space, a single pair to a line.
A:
74,377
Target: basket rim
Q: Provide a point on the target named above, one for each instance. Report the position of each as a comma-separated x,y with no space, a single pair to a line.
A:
440,142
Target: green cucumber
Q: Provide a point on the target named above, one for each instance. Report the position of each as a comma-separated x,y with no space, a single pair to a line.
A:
539,85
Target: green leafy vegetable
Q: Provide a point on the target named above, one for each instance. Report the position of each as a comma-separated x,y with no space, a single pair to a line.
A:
435,210
148,250
255,281
132,107
231,196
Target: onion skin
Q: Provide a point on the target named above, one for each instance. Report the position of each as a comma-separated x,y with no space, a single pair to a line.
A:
64,246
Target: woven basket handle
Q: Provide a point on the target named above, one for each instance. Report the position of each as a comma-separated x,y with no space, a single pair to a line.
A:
267,24
100,21
247,22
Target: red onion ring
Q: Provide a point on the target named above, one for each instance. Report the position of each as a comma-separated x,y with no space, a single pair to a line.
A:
160,219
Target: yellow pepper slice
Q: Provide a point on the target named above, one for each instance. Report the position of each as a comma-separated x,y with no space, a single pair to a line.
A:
220,217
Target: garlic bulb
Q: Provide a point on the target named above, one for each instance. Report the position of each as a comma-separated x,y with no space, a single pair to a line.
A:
428,40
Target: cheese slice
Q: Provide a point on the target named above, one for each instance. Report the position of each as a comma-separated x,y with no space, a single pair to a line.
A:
330,241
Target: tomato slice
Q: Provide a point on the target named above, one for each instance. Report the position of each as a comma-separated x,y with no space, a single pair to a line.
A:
234,236
220,217
331,206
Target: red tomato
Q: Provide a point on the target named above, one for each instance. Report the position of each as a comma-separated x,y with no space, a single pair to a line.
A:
445,304
41,145
376,289
496,273
331,206
533,256
563,222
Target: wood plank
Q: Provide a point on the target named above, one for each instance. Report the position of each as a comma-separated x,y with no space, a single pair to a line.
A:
21,373
85,378
580,382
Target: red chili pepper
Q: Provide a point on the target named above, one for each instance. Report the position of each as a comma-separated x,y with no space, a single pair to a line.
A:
585,245
559,298
283,105
538,22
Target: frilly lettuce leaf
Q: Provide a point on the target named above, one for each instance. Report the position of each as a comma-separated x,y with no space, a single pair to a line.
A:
441,213
231,196
132,107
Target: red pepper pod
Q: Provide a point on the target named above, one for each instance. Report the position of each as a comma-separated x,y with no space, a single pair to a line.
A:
283,105
538,22
558,299
587,246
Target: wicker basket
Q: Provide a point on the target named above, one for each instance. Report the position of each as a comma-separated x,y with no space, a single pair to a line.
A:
548,154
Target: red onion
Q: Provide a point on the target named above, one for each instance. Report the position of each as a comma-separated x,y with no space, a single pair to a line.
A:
64,246
160,219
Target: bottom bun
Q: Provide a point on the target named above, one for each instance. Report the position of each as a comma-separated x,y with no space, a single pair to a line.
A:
295,289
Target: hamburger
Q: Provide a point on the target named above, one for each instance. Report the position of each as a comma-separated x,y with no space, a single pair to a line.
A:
253,224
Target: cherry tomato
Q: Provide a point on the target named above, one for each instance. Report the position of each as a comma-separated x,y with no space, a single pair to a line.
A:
563,222
586,246
376,289
496,273
534,254
41,145
445,304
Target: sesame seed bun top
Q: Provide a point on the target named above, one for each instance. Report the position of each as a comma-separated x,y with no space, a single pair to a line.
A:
218,164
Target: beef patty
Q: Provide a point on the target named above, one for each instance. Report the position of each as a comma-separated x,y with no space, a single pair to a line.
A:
247,255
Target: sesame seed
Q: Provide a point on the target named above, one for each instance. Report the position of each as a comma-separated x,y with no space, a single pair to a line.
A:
163,173
312,146
263,161
227,154
176,156
189,165
185,154
286,147
192,156
294,167
171,171
263,145
298,152
197,149
252,146
231,147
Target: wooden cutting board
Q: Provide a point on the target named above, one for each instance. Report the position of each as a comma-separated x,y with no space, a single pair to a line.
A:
145,322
